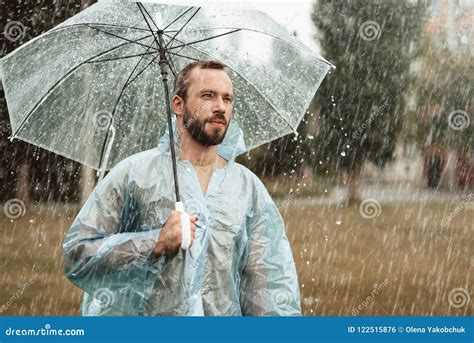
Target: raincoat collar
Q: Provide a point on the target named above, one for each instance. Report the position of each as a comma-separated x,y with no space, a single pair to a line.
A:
232,145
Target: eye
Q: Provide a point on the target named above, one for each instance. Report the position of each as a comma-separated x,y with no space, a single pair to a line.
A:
207,95
228,99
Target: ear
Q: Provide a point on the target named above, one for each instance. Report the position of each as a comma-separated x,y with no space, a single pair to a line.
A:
178,105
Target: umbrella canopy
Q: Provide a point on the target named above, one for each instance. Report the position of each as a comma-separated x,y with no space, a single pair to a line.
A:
99,71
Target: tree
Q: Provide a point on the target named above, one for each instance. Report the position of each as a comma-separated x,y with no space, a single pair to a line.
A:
363,101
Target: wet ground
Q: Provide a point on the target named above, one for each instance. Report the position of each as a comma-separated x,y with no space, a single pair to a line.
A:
391,258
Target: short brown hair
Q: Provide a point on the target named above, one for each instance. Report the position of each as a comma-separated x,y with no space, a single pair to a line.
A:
181,82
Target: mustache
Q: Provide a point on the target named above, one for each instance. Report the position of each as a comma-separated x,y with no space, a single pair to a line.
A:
218,116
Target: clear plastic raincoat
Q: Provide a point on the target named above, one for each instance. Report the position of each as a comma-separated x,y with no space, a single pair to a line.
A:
239,264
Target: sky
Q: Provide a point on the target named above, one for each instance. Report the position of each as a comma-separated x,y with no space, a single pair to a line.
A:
295,16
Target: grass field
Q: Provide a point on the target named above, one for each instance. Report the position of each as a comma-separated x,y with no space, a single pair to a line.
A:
402,262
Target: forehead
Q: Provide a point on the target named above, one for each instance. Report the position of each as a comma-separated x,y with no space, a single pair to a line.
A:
211,79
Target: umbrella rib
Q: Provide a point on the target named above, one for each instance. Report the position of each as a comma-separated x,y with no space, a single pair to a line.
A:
170,59
177,53
64,77
182,27
266,34
120,37
177,18
184,56
148,24
118,100
255,87
171,65
99,24
124,57
203,40
141,71
140,5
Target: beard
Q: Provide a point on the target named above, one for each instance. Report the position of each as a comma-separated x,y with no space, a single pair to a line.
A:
197,128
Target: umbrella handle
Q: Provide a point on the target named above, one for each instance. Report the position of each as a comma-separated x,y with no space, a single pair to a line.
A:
185,226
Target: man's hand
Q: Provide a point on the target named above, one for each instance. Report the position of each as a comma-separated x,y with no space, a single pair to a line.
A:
171,233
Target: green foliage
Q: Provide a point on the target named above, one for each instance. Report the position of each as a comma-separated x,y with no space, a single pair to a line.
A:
363,101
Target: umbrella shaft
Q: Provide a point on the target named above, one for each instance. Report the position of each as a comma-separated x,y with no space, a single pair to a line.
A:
163,60
164,77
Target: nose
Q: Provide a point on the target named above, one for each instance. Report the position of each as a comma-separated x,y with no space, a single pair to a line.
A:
219,105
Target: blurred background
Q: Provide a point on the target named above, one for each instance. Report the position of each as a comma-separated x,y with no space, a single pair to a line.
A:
376,188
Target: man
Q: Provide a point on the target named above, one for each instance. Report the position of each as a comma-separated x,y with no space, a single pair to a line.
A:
123,249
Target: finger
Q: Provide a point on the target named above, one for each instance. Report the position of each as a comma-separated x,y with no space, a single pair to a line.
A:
193,218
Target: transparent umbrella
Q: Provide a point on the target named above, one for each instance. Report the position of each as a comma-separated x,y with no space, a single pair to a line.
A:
90,88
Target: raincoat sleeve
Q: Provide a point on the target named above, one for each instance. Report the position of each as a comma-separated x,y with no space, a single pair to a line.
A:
105,254
269,279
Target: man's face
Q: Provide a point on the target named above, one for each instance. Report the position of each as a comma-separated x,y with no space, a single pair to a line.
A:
208,106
